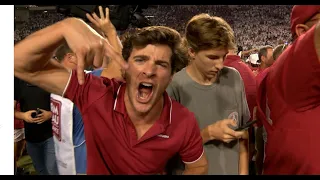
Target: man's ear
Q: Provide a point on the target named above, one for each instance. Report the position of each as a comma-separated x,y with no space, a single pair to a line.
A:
263,59
301,29
191,53
69,58
171,77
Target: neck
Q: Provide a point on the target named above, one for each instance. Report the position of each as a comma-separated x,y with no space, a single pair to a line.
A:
111,71
65,65
149,117
199,76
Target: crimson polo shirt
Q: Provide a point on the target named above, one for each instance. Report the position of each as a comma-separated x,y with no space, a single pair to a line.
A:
247,77
260,70
259,78
112,144
291,91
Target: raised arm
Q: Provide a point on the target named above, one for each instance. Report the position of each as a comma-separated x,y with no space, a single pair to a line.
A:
32,59
32,56
105,25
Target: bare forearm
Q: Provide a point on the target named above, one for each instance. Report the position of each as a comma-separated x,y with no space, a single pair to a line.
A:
34,52
244,157
18,115
32,58
205,135
49,115
114,40
114,69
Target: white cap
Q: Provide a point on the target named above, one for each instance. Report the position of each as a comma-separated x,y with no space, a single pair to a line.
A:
253,58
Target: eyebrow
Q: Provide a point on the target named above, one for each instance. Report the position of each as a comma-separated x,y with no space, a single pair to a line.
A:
314,19
144,57
214,56
141,56
162,61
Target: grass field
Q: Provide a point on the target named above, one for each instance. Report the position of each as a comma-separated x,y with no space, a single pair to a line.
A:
26,163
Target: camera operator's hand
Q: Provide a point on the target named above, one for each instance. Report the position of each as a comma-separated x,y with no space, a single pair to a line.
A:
28,118
103,22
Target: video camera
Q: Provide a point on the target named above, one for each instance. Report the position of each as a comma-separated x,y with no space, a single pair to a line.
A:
120,15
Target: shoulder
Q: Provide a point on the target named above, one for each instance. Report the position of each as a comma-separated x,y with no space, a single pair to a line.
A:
231,79
179,75
244,67
93,84
230,72
181,115
177,79
246,73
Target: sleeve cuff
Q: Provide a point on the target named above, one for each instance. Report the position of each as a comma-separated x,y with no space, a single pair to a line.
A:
196,159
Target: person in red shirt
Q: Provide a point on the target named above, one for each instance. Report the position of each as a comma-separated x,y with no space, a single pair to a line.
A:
265,58
131,127
278,51
288,99
19,140
260,133
253,63
233,60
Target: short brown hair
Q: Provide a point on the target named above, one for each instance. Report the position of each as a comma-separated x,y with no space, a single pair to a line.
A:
62,50
278,50
156,35
263,51
205,32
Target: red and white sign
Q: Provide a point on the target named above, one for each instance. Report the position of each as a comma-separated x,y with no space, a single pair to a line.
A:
62,125
56,118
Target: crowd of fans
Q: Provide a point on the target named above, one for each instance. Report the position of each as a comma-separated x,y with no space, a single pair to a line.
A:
36,21
254,25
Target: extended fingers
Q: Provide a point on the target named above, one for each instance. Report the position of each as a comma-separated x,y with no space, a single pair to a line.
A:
98,55
95,17
107,13
101,13
80,66
92,20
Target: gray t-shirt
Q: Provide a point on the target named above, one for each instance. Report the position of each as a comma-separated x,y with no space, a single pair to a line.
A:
210,103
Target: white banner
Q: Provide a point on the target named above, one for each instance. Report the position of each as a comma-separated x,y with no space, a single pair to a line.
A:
62,122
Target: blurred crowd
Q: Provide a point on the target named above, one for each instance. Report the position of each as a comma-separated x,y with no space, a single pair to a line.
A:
254,25
36,21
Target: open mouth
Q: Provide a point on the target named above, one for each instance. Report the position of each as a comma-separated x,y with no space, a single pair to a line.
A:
145,92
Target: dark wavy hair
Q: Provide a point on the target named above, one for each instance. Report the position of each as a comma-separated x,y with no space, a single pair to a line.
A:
156,35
